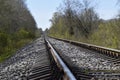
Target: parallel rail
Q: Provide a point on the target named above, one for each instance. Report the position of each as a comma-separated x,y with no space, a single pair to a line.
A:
103,50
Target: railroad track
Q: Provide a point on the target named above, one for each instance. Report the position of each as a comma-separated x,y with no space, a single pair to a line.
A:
50,66
103,50
54,66
111,55
44,60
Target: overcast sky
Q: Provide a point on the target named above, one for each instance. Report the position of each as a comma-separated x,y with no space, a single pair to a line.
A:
42,10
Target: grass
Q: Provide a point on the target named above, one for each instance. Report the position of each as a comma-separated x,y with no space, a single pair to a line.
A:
9,52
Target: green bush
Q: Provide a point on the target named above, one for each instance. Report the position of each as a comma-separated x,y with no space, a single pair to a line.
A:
22,42
3,39
9,43
22,34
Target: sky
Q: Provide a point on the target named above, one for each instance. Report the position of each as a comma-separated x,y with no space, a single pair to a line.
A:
42,10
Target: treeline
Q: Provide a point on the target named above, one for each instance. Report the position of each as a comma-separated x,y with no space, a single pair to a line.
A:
17,26
79,21
107,34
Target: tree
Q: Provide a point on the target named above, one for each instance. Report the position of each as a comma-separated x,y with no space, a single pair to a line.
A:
78,18
17,26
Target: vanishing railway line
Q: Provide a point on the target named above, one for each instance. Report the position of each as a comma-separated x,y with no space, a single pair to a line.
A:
52,67
75,72
60,59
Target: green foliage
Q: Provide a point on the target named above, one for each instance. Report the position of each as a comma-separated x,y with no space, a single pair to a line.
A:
23,34
107,35
3,39
10,43
22,42
38,33
17,27
76,19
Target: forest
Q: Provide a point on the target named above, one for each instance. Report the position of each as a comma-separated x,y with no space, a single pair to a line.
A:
79,21
17,27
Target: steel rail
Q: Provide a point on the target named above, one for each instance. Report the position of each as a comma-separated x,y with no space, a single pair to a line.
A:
68,75
107,51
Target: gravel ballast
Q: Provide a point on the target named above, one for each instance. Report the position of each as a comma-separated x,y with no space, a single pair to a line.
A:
19,65
85,58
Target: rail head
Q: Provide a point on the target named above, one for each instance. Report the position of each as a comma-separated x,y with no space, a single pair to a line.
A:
68,74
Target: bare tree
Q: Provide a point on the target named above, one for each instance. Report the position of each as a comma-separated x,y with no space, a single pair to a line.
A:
79,17
89,18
